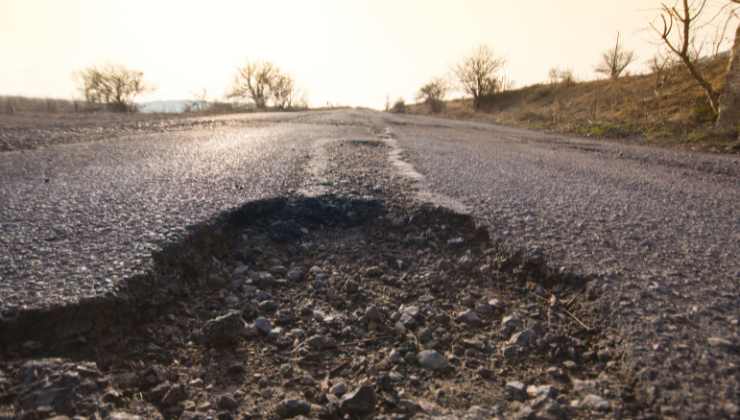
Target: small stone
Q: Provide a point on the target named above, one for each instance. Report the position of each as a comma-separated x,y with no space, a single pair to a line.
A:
174,395
263,279
510,352
227,402
557,374
522,339
263,325
551,410
360,402
395,356
720,342
588,385
509,324
485,373
431,359
224,329
496,304
120,415
278,270
292,408
374,314
295,275
409,315
224,415
484,308
469,317
730,409
455,242
240,270
535,391
338,389
570,365
157,393
374,271
594,402
320,342
515,390
267,306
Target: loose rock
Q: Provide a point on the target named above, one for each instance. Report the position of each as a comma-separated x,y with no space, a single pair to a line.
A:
431,359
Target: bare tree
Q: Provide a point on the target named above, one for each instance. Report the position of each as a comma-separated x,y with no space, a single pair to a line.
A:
729,101
662,66
114,86
615,61
399,107
282,91
564,77
477,74
680,20
264,83
253,81
433,94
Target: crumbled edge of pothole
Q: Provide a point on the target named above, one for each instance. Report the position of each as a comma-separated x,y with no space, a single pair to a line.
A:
184,267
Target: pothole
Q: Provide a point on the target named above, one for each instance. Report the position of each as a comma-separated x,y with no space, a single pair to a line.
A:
324,307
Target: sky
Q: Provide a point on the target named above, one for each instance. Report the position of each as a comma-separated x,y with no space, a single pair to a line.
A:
341,52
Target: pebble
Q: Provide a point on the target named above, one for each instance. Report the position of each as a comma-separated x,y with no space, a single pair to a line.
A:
522,339
360,402
395,356
509,324
224,329
292,408
535,391
515,390
174,395
720,342
374,271
431,359
120,415
263,325
338,389
227,402
469,317
295,275
594,402
320,342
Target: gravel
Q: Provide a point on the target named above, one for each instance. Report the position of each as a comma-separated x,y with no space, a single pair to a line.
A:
658,230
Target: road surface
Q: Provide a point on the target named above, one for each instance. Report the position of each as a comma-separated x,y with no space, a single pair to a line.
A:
657,230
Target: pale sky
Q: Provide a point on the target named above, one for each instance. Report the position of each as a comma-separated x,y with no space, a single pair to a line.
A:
347,52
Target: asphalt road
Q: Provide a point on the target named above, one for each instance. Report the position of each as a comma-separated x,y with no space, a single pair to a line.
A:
658,230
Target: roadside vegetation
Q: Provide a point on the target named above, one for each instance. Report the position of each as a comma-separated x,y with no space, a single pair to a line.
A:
688,96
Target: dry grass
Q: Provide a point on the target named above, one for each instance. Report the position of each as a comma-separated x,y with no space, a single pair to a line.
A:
629,108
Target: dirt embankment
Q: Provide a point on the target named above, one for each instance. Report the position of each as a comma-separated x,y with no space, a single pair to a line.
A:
667,109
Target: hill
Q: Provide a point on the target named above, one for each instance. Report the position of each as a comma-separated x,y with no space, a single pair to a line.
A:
664,109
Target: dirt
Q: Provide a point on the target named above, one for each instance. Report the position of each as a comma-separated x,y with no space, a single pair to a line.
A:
358,303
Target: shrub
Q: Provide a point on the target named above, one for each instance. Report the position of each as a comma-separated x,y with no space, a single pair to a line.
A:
433,94
399,107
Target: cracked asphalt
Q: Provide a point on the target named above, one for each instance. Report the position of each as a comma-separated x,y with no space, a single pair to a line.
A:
76,219
657,230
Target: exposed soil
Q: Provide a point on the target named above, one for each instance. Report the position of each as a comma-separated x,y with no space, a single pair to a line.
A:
360,303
